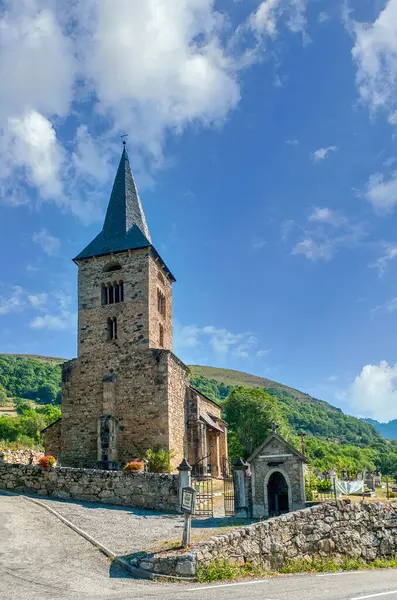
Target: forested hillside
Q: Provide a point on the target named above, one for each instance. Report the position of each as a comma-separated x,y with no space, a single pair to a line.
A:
31,377
388,430
333,439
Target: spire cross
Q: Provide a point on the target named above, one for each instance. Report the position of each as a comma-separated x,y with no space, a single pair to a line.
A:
125,135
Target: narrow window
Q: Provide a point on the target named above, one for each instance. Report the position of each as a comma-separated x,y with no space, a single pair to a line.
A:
109,333
161,336
161,303
116,292
121,286
114,328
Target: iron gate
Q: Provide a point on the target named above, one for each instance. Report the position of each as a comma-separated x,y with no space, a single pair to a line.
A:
228,496
204,496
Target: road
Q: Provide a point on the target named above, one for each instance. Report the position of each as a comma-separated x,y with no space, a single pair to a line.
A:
42,559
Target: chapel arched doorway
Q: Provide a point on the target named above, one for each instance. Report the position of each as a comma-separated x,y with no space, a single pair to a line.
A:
277,491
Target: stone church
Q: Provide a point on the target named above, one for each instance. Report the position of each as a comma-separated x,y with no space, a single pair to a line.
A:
127,392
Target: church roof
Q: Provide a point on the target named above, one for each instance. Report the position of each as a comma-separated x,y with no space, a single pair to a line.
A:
125,226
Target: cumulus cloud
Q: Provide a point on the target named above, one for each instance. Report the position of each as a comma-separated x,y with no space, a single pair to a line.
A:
145,68
322,153
48,243
374,54
381,191
373,392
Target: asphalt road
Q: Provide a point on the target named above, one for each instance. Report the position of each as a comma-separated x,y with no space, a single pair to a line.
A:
42,559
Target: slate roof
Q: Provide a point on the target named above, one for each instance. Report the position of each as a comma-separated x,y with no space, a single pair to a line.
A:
125,226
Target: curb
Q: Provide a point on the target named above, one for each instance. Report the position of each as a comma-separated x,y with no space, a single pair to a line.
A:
135,571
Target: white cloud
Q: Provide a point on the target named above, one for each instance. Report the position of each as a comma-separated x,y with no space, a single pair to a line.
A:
63,321
330,232
326,215
219,341
55,305
314,250
381,191
373,392
374,53
49,244
292,143
322,17
390,253
322,153
13,302
145,68
258,244
389,307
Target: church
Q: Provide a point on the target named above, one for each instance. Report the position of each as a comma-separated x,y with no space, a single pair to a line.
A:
127,392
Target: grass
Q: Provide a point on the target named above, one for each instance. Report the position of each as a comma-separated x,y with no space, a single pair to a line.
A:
222,569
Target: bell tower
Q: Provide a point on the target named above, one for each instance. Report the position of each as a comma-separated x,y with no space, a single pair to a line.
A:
124,286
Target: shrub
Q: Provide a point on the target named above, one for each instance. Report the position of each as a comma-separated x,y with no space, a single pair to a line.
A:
135,466
47,462
159,460
217,570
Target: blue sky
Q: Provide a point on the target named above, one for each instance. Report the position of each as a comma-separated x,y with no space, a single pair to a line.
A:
262,135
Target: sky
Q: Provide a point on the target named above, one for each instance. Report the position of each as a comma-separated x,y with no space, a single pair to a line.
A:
263,139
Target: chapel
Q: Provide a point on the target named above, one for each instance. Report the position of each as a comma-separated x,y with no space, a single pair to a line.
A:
127,392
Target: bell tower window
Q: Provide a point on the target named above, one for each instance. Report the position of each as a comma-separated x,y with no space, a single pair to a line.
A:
112,293
161,305
111,329
161,335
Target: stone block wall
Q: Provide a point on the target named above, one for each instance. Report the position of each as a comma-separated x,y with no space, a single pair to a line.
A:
21,457
144,490
365,530
52,438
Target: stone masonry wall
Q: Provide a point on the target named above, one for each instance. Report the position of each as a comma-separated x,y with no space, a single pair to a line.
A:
21,457
158,280
336,530
52,438
145,490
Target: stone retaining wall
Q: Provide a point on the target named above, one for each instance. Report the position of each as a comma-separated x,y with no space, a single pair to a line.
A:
145,490
21,456
336,530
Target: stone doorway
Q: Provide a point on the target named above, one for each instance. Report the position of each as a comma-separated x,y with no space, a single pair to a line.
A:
277,494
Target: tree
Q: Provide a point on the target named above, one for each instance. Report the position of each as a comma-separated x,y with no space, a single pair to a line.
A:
48,393
3,396
9,428
49,413
250,413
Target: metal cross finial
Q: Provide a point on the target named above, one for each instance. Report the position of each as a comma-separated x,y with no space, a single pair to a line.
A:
275,427
124,136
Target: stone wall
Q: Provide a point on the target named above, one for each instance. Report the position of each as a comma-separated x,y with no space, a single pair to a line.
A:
145,490
52,438
336,530
21,457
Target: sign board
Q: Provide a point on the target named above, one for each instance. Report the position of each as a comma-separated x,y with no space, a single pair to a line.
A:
188,499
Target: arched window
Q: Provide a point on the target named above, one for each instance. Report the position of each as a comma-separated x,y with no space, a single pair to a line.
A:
111,329
161,303
112,293
161,335
112,267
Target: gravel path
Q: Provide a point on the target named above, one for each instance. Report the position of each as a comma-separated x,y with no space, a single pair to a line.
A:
126,530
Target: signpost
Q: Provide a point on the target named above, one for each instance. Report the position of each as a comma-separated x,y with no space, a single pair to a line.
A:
188,506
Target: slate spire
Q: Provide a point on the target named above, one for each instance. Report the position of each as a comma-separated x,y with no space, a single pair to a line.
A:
125,208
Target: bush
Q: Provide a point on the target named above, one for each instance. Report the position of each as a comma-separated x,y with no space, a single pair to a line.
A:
217,570
135,466
159,460
47,462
